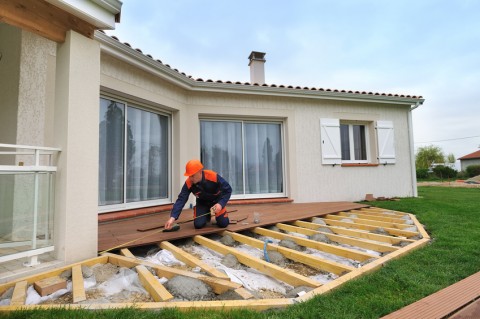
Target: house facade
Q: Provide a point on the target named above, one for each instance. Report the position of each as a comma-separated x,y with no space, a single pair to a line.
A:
469,159
122,125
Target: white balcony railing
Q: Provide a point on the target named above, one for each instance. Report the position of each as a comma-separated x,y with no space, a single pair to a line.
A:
27,176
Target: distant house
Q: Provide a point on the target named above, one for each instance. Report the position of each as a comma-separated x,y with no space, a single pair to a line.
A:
122,125
469,159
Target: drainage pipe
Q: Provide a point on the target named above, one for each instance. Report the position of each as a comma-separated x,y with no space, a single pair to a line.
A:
412,150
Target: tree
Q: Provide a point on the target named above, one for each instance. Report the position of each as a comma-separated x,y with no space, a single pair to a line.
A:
450,158
427,155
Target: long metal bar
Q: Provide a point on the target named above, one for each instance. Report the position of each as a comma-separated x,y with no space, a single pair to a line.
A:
28,253
42,148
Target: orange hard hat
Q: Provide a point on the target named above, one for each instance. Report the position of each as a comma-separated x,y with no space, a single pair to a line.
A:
192,167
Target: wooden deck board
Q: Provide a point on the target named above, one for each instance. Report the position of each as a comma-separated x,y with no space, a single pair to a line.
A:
443,302
112,234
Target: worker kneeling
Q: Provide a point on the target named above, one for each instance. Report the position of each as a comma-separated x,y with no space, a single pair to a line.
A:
212,192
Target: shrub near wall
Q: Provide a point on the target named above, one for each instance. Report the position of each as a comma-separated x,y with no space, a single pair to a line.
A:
444,172
473,170
422,173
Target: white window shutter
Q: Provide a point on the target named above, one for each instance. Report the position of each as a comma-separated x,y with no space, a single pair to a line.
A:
386,142
330,136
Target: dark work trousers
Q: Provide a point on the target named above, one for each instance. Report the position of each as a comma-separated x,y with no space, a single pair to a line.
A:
203,211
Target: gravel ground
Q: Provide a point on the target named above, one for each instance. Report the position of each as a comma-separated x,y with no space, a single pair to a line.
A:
449,184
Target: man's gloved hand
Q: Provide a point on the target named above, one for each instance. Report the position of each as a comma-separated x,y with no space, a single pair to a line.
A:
215,208
169,223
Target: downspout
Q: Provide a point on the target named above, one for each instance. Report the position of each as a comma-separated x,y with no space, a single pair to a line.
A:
412,151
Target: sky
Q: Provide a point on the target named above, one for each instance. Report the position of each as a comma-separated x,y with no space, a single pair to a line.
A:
429,48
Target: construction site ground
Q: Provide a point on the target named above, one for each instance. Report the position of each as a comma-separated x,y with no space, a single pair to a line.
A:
293,252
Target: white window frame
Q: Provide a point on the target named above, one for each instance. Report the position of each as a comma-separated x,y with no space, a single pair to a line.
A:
352,141
147,203
383,141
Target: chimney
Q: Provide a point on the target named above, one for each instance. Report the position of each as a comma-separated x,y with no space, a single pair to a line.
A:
257,67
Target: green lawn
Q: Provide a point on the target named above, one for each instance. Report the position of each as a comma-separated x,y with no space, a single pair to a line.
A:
450,215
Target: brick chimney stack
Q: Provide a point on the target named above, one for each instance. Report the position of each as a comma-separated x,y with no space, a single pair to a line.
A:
257,67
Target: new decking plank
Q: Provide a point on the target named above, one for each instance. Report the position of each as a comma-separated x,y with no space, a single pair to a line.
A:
470,311
112,234
443,302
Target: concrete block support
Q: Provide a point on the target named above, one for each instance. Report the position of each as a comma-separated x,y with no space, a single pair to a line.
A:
76,133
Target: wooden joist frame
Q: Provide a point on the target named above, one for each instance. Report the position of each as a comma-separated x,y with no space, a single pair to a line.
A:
381,218
263,266
19,293
369,222
354,233
379,247
152,285
361,233
327,248
356,225
31,279
218,285
309,260
78,287
192,261
383,211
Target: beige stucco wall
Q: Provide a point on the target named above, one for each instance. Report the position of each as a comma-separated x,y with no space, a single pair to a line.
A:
122,80
331,183
35,61
306,178
10,44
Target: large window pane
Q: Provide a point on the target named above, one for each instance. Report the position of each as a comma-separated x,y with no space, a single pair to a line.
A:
353,140
221,150
111,152
360,146
147,155
248,155
263,158
134,155
345,142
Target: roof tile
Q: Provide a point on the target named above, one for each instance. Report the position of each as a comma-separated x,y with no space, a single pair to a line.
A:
471,156
274,85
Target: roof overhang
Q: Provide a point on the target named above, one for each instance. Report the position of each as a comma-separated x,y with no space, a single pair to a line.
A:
53,18
135,57
100,13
